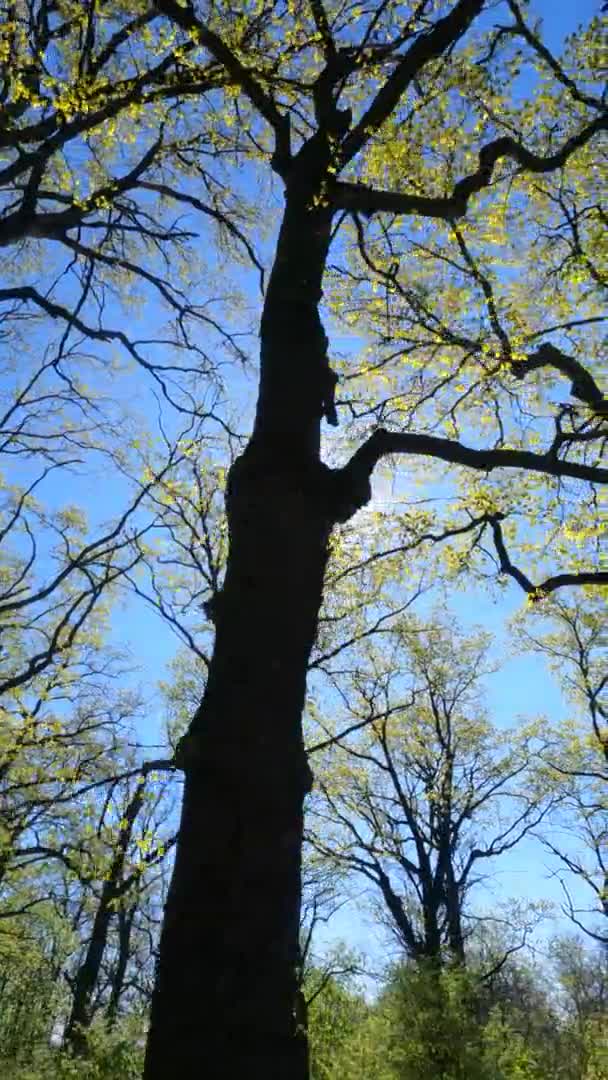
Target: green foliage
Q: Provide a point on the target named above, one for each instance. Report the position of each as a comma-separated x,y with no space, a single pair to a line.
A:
29,999
336,1016
453,1024
112,1055
437,1030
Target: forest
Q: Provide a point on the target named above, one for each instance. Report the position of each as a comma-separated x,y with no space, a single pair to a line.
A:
303,540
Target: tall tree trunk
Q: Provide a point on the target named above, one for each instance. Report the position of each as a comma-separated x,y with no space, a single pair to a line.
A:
453,902
75,1036
226,997
447,839
125,926
430,921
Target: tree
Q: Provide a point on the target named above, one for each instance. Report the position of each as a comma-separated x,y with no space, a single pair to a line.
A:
424,794
82,834
571,637
370,116
30,992
70,79
583,983
59,737
129,856
251,776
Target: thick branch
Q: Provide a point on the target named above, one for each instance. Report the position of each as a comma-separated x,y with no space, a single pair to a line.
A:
321,21
584,386
445,33
558,581
382,443
369,201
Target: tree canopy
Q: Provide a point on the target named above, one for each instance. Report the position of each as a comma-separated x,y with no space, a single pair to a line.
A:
399,206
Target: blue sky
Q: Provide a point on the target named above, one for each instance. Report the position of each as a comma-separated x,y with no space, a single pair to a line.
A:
521,688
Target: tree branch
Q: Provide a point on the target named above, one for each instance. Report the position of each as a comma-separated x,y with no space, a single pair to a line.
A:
382,443
209,211
25,221
541,49
321,21
28,294
263,102
369,201
445,33
584,386
558,581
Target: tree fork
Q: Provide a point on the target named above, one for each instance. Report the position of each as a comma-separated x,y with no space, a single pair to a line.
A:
227,997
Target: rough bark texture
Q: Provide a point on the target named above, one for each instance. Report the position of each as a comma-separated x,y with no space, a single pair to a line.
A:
229,953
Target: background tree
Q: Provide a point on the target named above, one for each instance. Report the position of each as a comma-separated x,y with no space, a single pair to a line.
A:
428,792
137,842
82,836
572,639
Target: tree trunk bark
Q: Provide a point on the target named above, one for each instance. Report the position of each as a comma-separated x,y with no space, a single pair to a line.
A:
225,1003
